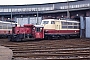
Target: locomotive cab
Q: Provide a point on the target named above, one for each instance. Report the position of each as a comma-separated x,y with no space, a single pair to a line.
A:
38,32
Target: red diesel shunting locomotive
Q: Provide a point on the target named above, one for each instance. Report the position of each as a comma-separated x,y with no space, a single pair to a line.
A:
26,32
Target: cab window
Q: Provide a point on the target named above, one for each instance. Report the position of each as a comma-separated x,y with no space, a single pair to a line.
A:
52,22
45,22
38,29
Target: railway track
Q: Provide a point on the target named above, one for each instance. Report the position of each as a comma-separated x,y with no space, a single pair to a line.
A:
71,49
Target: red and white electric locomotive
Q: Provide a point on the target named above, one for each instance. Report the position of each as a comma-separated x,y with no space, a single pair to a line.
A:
26,32
60,28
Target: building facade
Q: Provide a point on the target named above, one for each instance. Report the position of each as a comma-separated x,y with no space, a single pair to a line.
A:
33,14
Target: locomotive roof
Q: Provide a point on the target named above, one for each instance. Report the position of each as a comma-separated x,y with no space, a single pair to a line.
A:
49,19
66,20
8,22
38,26
28,25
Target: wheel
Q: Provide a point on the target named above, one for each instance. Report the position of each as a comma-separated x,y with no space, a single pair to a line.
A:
67,36
18,39
10,38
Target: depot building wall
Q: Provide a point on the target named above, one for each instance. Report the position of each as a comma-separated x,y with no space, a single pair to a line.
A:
27,14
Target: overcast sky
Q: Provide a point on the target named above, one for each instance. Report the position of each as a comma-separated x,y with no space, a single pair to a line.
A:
22,2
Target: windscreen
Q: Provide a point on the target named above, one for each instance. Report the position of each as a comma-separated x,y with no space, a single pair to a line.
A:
45,22
38,29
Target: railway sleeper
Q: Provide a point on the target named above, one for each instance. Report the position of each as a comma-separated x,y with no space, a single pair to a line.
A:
51,55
